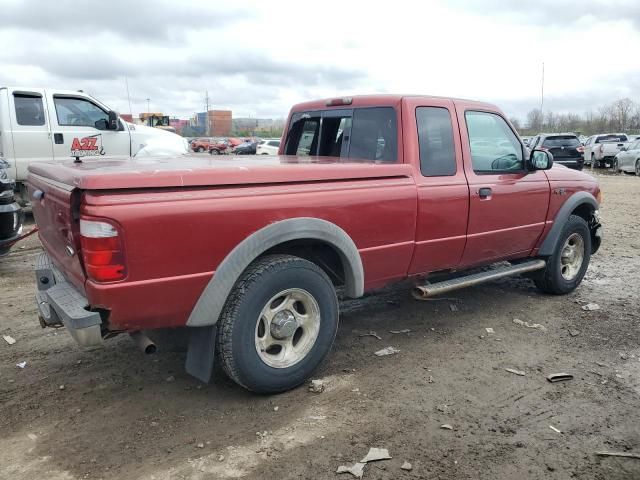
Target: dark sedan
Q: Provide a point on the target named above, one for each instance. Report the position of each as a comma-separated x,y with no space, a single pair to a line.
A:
246,148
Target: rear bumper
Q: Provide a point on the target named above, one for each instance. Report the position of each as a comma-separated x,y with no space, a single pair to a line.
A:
575,163
60,303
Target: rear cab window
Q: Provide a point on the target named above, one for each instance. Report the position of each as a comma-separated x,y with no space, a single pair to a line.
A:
366,133
29,109
611,138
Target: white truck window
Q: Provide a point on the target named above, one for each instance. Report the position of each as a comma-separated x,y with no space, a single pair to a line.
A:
29,109
78,112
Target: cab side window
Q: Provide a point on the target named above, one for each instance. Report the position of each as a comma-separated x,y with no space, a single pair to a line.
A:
494,146
78,112
435,136
29,109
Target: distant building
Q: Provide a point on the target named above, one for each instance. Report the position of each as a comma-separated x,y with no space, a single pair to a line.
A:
127,117
178,124
218,122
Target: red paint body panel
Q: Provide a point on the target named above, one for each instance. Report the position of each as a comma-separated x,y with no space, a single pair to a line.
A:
179,218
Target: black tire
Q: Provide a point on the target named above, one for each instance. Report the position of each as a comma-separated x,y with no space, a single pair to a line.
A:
237,326
200,149
614,165
213,151
550,280
638,167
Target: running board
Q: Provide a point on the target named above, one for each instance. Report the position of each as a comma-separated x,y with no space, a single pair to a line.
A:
421,292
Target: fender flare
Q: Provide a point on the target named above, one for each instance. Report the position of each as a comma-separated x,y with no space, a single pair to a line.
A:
210,304
574,201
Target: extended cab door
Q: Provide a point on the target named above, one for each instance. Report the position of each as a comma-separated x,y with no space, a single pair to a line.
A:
79,129
432,145
508,204
29,132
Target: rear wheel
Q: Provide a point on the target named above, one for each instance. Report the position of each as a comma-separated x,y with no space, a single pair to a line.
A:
200,149
278,324
213,151
566,267
638,167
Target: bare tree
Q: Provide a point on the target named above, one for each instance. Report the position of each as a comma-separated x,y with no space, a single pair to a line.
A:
534,120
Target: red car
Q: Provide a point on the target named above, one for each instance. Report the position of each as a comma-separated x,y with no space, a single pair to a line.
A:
219,147
248,255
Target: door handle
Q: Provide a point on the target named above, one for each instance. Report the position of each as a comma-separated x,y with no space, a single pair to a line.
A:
58,138
484,192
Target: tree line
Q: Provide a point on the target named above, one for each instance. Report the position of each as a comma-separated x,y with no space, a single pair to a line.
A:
620,116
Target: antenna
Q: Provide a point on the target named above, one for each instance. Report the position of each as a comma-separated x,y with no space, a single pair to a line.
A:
542,95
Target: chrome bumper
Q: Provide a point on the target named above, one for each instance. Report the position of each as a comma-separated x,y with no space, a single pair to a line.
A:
60,303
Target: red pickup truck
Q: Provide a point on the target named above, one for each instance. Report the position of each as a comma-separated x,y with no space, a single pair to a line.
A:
249,254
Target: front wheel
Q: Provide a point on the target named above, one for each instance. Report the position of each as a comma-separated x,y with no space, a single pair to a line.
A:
213,151
278,324
200,149
638,167
566,267
614,165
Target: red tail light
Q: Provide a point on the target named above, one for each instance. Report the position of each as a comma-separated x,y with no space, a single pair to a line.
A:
102,251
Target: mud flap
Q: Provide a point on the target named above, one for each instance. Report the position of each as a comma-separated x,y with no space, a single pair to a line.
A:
201,352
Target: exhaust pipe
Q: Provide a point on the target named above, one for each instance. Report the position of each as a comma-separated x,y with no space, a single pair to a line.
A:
143,342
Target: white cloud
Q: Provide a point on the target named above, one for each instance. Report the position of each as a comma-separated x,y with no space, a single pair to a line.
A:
258,58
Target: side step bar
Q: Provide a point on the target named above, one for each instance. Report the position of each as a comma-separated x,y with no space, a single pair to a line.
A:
421,292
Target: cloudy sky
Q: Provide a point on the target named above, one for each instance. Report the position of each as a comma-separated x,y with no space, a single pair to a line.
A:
257,58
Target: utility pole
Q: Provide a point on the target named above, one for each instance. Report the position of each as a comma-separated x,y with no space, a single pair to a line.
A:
206,103
126,82
148,108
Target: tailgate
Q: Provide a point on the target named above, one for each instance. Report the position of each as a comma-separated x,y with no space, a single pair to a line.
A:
55,210
565,152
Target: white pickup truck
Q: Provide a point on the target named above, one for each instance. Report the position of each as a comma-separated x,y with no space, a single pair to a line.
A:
39,124
600,150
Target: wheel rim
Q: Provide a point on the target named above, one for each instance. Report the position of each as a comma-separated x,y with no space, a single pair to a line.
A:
572,256
287,328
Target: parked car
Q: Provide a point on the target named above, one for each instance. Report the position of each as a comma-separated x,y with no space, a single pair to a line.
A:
245,148
565,147
218,147
268,147
38,124
600,150
200,144
387,190
11,215
628,159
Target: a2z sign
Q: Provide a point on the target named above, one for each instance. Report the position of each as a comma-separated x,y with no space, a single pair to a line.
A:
87,146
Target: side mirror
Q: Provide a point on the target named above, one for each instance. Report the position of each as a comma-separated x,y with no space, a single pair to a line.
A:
101,124
113,120
540,160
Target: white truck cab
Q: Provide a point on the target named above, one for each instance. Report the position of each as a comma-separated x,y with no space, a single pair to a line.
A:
38,125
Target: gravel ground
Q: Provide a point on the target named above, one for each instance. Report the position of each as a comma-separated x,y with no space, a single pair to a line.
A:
113,413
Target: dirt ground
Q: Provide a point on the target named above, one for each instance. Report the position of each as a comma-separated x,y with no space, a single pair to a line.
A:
114,413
